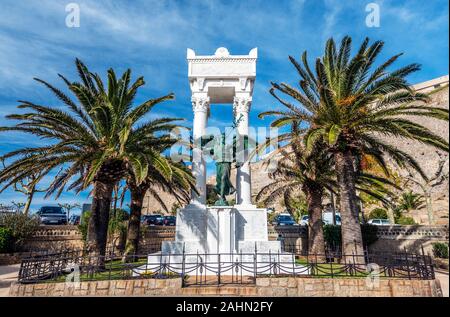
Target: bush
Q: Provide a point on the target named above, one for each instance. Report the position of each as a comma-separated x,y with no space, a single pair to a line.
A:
440,250
84,222
406,221
20,227
5,240
378,213
333,237
369,234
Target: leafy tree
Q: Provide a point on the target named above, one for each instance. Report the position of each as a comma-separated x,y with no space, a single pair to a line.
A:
18,205
354,104
28,187
68,207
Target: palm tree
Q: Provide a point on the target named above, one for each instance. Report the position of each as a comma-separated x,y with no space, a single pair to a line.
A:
90,138
356,107
313,172
310,173
410,201
175,179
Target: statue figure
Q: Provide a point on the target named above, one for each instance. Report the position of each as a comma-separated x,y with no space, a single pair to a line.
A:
222,153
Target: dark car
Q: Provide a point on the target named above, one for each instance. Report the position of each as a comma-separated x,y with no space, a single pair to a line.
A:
52,215
284,220
170,220
153,220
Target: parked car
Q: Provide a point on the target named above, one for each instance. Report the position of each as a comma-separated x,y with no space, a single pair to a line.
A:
327,218
170,220
304,220
153,220
379,222
74,220
52,215
284,220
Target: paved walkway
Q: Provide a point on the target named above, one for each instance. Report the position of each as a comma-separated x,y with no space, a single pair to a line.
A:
442,276
8,274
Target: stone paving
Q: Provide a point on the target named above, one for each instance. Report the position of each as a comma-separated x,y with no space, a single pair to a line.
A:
8,274
442,276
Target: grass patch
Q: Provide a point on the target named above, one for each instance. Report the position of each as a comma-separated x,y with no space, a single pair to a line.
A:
331,269
114,270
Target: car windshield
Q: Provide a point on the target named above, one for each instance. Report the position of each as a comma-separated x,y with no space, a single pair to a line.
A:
338,218
51,210
285,218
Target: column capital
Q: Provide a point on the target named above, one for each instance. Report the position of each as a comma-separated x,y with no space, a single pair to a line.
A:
200,103
242,104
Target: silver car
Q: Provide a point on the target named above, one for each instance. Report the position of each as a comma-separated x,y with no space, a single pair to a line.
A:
379,222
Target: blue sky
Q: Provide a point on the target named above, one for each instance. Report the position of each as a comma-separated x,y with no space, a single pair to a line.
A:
151,38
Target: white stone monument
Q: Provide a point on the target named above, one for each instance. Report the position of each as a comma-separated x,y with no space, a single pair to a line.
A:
228,230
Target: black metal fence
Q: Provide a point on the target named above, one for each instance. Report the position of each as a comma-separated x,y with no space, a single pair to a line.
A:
217,269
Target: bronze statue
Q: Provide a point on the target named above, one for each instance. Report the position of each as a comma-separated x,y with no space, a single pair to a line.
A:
223,155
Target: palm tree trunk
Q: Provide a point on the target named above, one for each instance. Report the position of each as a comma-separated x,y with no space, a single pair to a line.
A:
352,243
98,223
134,223
316,242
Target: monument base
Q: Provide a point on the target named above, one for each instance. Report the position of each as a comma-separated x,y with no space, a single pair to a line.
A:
221,238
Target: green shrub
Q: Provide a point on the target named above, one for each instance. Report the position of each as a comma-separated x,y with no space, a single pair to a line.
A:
5,240
369,234
84,222
378,213
333,237
406,221
20,227
440,250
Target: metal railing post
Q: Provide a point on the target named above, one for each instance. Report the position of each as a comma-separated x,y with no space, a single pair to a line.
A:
407,264
218,269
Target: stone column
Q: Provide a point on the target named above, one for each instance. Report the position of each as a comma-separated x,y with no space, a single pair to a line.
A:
200,105
241,108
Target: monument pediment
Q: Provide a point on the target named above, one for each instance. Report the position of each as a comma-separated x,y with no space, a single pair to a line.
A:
221,65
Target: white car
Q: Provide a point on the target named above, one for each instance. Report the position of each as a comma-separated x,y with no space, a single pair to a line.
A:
327,218
304,220
379,222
